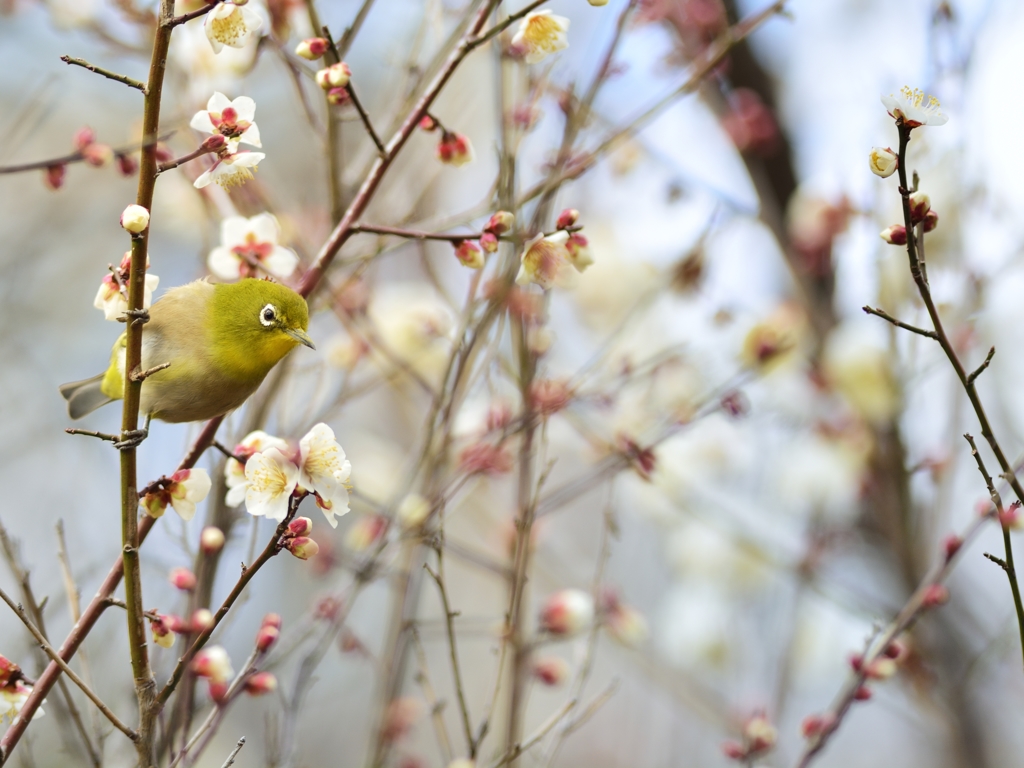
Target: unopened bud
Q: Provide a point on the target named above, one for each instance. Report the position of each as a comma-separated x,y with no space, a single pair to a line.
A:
469,254
334,76
579,251
183,579
311,49
935,595
500,223
952,545
489,242
202,620
215,143
567,612
895,235
218,690
127,165
272,620
260,683
734,750
428,124
931,220
83,138
760,734
54,175
135,219
300,526
551,670
567,218
302,547
862,694
413,511
214,663
337,96
883,161
98,155
815,724
454,149
162,633
920,204
211,540
881,669
896,650
365,532
266,637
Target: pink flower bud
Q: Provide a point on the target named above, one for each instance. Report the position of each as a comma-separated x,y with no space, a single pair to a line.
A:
311,49
272,620
734,750
183,579
580,255
883,162
895,235
211,540
327,608
176,624
500,223
260,683
469,254
815,724
266,637
856,662
302,547
218,691
202,620
428,124
135,219
215,143
920,204
862,694
98,155
484,458
337,96
952,545
162,634
334,76
54,176
162,153
83,138
489,242
454,149
214,663
567,612
760,734
931,220
934,595
567,218
551,670
127,165
897,650
300,526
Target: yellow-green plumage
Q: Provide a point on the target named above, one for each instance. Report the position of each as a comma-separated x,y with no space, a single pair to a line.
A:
221,342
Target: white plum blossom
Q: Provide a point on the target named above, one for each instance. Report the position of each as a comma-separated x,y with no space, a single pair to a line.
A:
232,119
12,699
270,480
247,245
325,471
112,301
230,24
234,470
184,489
540,34
231,170
914,108
543,259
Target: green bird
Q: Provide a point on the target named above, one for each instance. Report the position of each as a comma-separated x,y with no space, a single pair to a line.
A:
221,341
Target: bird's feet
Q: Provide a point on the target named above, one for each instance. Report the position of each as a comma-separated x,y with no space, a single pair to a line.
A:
131,439
136,316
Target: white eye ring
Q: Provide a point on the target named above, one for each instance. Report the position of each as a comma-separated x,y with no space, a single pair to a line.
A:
268,315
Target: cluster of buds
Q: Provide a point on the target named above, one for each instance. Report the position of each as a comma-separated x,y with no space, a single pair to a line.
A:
335,80
182,491
759,736
545,257
92,153
453,148
471,254
165,626
567,612
296,539
881,667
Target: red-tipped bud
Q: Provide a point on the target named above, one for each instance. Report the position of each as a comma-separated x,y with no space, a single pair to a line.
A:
896,650
500,223
266,637
551,670
218,691
812,725
428,124
176,624
489,242
260,683
931,220
469,254
920,204
202,620
337,96
54,176
334,76
300,526
312,49
454,149
214,663
935,595
734,750
856,662
862,694
211,540
895,235
216,143
951,545
567,218
881,669
83,138
760,734
567,612
98,155
127,165
162,633
162,153
272,620
183,579
302,547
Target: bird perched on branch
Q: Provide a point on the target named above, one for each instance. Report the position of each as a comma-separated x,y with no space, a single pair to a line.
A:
220,340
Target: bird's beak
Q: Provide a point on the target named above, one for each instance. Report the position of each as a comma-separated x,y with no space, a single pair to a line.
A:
300,336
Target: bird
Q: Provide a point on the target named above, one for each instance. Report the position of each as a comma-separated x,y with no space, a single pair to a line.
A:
220,339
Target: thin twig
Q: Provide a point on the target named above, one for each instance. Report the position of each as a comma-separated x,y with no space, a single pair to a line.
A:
175,21
130,82
981,368
504,24
540,733
90,433
899,323
436,706
76,157
66,669
143,375
234,753
366,120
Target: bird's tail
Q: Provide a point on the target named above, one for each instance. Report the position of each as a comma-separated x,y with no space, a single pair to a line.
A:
84,396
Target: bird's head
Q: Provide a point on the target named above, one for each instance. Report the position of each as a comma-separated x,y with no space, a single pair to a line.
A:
255,323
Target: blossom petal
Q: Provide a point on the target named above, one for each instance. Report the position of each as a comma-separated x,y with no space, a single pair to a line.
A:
204,180
281,262
245,107
264,227
201,122
224,264
234,230
251,136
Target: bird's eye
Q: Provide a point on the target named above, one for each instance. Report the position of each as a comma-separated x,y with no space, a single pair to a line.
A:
268,315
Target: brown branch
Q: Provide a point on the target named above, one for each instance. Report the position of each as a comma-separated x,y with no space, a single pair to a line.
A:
501,26
366,120
981,368
175,21
444,741
90,433
899,323
66,669
234,753
130,82
143,375
74,157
